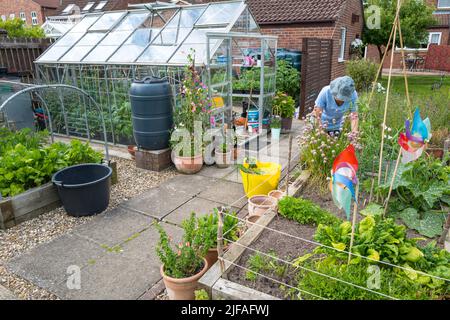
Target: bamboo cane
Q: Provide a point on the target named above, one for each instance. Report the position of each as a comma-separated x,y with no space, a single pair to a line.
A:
402,50
220,240
392,182
289,165
387,97
355,212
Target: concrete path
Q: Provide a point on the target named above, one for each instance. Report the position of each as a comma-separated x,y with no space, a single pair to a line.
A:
5,294
113,256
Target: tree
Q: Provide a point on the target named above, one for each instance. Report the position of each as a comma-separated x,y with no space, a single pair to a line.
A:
416,17
16,28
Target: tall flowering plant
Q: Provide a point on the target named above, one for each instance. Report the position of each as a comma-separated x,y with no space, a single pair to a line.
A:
319,149
195,102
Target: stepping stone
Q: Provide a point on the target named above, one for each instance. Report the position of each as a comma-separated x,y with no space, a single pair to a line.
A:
226,192
198,205
47,265
113,227
124,275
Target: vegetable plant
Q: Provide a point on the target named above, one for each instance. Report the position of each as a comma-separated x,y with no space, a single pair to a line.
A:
305,212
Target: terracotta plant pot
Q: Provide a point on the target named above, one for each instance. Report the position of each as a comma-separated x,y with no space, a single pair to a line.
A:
132,151
277,195
212,256
286,125
251,220
188,165
223,160
260,204
182,289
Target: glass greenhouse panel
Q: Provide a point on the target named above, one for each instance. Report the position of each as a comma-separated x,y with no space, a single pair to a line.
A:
100,54
190,16
53,54
180,57
107,21
76,54
127,53
69,39
84,24
90,39
132,21
221,13
115,38
157,54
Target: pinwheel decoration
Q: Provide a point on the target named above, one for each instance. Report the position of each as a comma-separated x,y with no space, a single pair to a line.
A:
344,180
413,141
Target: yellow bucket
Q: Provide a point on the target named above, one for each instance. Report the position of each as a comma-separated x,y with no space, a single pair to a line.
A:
255,184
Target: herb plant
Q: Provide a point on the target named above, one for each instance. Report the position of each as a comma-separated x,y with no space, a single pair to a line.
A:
305,212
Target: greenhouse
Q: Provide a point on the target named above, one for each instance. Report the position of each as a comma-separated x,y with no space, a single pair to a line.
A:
105,52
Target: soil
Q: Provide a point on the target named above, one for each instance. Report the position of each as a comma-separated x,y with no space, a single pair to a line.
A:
286,248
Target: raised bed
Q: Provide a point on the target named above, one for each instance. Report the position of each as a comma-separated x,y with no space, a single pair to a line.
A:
218,286
28,205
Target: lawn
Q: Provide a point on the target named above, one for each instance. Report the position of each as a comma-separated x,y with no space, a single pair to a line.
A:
419,85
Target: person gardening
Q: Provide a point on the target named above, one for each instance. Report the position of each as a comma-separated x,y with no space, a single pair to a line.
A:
333,102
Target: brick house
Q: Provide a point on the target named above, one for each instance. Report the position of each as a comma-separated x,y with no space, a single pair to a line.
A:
70,7
33,12
293,20
439,33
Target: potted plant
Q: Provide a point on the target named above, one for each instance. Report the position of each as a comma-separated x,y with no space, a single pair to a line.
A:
195,109
284,106
275,127
182,265
223,156
207,233
436,145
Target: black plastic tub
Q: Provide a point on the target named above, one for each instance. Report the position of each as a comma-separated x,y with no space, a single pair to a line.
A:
84,189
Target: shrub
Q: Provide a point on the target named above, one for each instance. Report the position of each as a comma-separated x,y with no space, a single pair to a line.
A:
363,72
288,79
16,28
305,212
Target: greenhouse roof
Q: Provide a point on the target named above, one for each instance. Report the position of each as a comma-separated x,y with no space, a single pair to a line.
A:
151,36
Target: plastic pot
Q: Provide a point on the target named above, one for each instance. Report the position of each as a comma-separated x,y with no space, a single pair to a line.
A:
184,288
286,125
84,189
276,133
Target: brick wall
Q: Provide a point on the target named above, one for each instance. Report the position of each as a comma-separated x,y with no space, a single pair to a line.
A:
16,6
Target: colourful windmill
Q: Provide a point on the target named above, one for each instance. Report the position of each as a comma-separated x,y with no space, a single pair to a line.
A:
413,141
344,179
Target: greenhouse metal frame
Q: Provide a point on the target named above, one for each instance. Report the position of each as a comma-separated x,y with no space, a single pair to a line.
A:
105,52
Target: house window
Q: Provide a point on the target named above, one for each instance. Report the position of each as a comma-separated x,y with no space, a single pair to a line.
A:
34,19
88,6
100,5
343,41
434,38
23,16
68,9
443,4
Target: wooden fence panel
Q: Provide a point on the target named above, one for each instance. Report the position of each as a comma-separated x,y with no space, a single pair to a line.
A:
316,70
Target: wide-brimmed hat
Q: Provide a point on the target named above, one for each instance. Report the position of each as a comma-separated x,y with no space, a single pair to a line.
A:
342,88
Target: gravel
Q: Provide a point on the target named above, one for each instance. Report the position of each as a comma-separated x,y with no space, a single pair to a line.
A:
19,239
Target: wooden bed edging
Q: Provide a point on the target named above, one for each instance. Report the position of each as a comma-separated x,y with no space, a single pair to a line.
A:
28,205
219,288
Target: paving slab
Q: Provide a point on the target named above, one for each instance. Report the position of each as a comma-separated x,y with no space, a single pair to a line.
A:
198,205
234,176
47,265
226,192
190,185
113,227
124,275
157,203
5,294
215,172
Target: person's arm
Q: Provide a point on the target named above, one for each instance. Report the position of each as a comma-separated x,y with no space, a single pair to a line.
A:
320,104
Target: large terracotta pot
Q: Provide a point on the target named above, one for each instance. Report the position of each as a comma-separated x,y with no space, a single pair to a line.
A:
212,256
277,195
188,165
260,204
182,289
223,160
251,220
286,125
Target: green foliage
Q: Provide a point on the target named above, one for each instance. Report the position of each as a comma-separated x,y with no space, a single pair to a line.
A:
288,79
201,294
363,72
283,105
305,212
415,18
275,122
207,229
185,259
264,264
419,187
392,282
23,167
121,116
17,28
26,137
